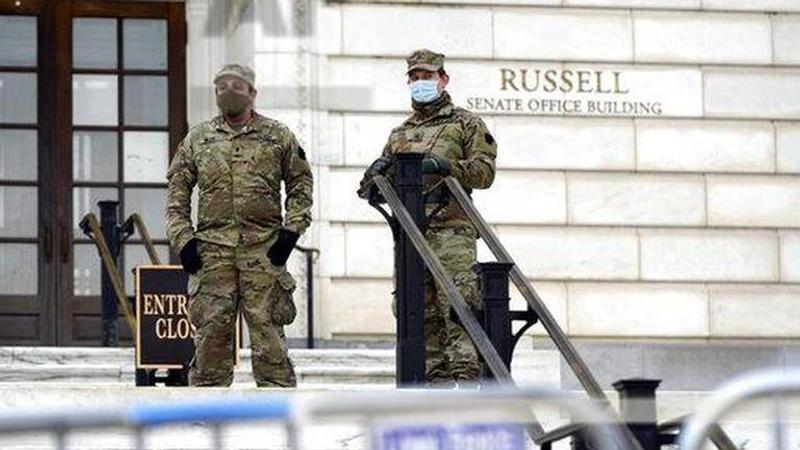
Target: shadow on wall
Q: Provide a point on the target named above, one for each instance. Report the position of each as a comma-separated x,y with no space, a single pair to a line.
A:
277,16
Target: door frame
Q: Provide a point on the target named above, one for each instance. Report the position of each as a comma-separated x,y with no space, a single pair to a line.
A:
68,307
56,306
44,304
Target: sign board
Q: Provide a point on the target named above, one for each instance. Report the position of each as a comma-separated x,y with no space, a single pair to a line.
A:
164,335
587,91
527,88
450,437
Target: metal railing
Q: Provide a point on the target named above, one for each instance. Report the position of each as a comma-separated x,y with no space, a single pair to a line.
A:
483,344
310,256
378,411
497,404
139,419
473,328
559,338
557,335
775,385
406,204
299,414
92,229
439,273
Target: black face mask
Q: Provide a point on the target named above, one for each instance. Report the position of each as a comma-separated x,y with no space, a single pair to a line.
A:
232,103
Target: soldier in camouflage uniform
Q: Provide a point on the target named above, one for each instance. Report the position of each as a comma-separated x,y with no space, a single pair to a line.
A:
237,254
456,143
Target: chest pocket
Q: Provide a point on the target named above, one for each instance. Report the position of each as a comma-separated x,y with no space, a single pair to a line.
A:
213,166
448,142
415,140
263,155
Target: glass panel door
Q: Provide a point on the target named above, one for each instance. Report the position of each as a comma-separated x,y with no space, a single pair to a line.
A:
21,299
121,136
122,68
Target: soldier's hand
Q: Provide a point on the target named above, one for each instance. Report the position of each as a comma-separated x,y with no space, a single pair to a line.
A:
436,165
190,257
279,253
363,192
378,167
365,189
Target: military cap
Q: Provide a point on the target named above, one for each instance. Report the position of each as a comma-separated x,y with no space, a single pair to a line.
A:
424,59
239,71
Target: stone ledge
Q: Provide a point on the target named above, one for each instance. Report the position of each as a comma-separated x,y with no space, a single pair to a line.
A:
671,5
57,356
682,366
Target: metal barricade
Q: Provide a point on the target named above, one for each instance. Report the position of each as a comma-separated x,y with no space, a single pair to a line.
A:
500,405
502,410
139,419
775,385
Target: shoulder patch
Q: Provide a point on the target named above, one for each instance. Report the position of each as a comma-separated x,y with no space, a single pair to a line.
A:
489,138
301,153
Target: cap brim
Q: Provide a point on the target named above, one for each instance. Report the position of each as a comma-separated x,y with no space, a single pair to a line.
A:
234,74
428,67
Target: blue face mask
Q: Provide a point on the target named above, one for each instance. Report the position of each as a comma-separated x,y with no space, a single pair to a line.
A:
424,91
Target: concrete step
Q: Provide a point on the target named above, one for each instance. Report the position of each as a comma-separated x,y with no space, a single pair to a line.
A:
116,366
313,367
126,356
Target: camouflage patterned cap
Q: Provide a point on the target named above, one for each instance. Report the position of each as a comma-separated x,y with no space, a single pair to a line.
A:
425,59
237,70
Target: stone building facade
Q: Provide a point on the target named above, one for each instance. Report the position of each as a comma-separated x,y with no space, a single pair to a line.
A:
649,150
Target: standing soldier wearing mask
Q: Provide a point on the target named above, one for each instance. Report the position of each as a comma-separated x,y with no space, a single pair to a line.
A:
456,143
237,254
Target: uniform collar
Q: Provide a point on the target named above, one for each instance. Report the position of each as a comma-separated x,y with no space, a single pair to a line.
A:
220,124
424,112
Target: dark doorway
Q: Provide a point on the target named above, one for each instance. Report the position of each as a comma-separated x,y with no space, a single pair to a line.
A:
92,99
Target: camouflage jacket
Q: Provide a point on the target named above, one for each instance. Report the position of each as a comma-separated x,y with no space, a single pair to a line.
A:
238,175
453,133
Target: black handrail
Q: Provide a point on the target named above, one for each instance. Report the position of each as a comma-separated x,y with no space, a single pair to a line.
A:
402,219
310,254
471,326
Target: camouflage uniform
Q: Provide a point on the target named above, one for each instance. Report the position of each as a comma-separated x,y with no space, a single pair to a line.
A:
238,174
461,137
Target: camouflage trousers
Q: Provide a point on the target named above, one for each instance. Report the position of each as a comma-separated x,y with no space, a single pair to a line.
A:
234,280
450,353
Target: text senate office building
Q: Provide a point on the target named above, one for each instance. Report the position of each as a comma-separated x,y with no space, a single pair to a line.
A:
648,157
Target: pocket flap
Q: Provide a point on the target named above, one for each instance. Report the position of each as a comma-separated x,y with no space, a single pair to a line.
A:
287,281
193,285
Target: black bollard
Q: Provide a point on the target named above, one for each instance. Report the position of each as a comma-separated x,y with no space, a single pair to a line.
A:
496,315
409,275
637,402
310,299
110,309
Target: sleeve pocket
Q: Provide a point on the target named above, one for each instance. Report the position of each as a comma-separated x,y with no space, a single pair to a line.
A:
284,310
193,285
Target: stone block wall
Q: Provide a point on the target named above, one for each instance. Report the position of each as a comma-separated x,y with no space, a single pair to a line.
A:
679,224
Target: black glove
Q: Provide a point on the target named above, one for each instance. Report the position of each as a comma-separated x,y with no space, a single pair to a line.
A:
190,259
283,246
379,166
436,165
